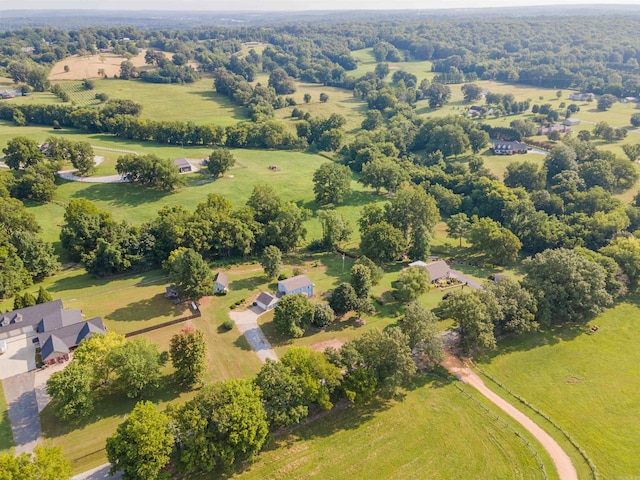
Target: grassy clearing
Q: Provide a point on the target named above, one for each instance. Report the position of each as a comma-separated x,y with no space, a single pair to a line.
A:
587,383
367,63
415,437
87,66
6,437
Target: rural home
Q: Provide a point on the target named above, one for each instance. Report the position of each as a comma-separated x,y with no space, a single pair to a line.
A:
222,282
298,284
438,270
266,301
57,330
556,127
183,165
571,122
582,97
10,93
509,148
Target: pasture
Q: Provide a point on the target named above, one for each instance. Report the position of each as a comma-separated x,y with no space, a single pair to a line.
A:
588,384
413,437
87,66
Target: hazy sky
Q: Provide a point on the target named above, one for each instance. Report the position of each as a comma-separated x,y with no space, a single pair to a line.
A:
213,5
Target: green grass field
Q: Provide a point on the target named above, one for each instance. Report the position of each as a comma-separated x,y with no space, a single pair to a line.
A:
416,437
6,437
588,384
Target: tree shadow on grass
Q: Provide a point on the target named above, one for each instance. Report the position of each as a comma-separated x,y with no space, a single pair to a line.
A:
531,340
145,309
242,343
111,402
121,194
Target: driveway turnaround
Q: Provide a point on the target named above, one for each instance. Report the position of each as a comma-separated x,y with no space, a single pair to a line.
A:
562,462
23,410
98,473
247,323
20,357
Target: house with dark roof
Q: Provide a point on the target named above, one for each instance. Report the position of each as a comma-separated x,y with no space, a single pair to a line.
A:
298,284
58,344
222,282
266,301
183,165
501,147
57,330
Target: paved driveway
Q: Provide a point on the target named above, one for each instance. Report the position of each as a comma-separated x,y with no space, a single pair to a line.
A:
247,323
20,357
23,410
464,279
98,473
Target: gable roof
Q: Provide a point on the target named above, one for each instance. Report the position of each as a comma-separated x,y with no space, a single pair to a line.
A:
418,263
66,338
181,162
30,316
222,279
294,283
437,270
266,298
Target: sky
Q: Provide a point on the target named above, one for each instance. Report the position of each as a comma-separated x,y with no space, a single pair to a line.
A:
289,5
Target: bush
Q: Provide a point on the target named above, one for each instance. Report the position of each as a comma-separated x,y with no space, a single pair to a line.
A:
233,307
227,324
297,271
282,276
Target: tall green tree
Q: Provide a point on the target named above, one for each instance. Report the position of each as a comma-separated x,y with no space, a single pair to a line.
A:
375,272
22,152
331,183
271,261
189,274
220,161
412,282
626,252
499,244
458,226
382,242
46,463
566,286
361,280
335,228
293,314
188,351
136,364
72,391
283,394
141,446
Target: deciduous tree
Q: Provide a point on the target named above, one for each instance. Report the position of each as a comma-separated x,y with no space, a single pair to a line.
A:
271,261
189,274
293,314
188,351
332,183
220,160
141,446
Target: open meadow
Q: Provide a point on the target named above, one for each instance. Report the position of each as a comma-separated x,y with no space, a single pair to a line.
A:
414,437
87,66
587,383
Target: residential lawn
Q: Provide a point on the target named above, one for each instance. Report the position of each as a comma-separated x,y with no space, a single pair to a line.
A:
588,384
434,431
6,437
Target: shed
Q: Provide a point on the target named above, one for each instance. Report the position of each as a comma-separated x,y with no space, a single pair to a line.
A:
571,122
183,165
222,282
266,301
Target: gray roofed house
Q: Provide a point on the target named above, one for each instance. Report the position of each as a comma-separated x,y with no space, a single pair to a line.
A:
57,345
183,165
58,330
298,284
437,271
222,282
25,320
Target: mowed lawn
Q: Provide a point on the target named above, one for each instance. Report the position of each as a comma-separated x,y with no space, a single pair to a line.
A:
6,437
434,432
590,384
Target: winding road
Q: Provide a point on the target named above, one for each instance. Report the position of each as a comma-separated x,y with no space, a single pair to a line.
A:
562,462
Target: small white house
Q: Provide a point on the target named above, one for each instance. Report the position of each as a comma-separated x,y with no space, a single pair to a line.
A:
222,282
266,301
298,284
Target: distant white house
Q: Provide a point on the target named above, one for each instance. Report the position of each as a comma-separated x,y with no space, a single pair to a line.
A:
298,284
222,282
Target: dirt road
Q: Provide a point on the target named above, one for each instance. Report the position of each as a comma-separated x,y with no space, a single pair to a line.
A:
563,463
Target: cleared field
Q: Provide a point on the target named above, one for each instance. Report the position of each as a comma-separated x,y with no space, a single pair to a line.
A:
87,66
367,63
588,384
6,437
417,437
